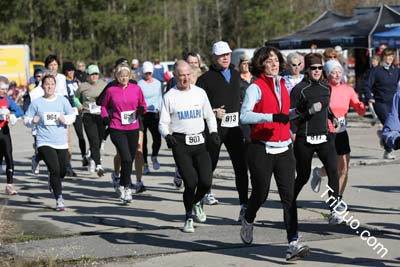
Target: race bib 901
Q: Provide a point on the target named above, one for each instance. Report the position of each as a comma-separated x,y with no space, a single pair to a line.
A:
316,139
51,118
128,117
194,139
230,120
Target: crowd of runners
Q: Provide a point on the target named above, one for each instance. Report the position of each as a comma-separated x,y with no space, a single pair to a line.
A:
271,113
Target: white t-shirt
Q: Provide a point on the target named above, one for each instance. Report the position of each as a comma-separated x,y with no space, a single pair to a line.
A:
185,111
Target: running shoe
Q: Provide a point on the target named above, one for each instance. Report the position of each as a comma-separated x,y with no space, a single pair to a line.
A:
60,204
246,232
146,169
35,166
188,226
10,190
243,209
335,218
70,172
198,213
210,199
156,164
315,180
100,171
297,250
389,155
139,187
177,179
128,194
92,166
121,191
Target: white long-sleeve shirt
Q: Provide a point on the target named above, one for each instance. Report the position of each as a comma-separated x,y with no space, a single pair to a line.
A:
185,111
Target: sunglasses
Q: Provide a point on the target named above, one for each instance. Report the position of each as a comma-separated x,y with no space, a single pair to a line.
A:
331,56
316,68
296,65
38,76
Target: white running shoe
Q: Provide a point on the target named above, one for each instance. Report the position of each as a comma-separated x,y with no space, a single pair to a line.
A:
128,194
198,213
334,218
210,199
60,204
35,166
121,190
246,232
10,190
146,169
100,171
188,226
156,164
389,155
92,166
297,250
315,180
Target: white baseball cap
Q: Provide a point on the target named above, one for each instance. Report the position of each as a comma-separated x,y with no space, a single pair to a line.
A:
148,67
221,48
135,61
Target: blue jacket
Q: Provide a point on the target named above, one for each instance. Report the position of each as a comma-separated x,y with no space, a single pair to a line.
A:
391,130
381,83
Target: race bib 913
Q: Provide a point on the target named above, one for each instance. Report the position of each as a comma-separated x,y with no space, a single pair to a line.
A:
230,120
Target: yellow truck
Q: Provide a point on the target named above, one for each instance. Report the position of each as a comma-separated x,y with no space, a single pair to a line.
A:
15,63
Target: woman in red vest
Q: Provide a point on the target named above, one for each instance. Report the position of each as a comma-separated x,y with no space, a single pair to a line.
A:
266,107
9,112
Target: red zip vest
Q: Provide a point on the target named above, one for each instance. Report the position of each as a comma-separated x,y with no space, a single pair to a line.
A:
3,103
271,131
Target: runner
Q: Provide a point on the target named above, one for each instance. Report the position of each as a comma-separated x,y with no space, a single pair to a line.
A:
222,85
310,98
152,91
72,86
9,112
94,128
266,107
184,109
380,89
51,114
123,100
342,96
391,130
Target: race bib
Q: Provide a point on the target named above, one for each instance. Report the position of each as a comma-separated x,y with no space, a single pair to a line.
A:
342,124
128,117
93,108
75,111
194,139
3,117
316,139
275,150
51,118
230,120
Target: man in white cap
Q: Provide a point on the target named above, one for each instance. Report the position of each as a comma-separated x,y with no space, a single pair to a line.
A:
222,85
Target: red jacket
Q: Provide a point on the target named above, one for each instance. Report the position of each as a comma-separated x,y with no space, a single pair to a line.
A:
271,131
3,103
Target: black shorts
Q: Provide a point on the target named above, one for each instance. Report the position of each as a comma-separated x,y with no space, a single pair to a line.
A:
342,143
